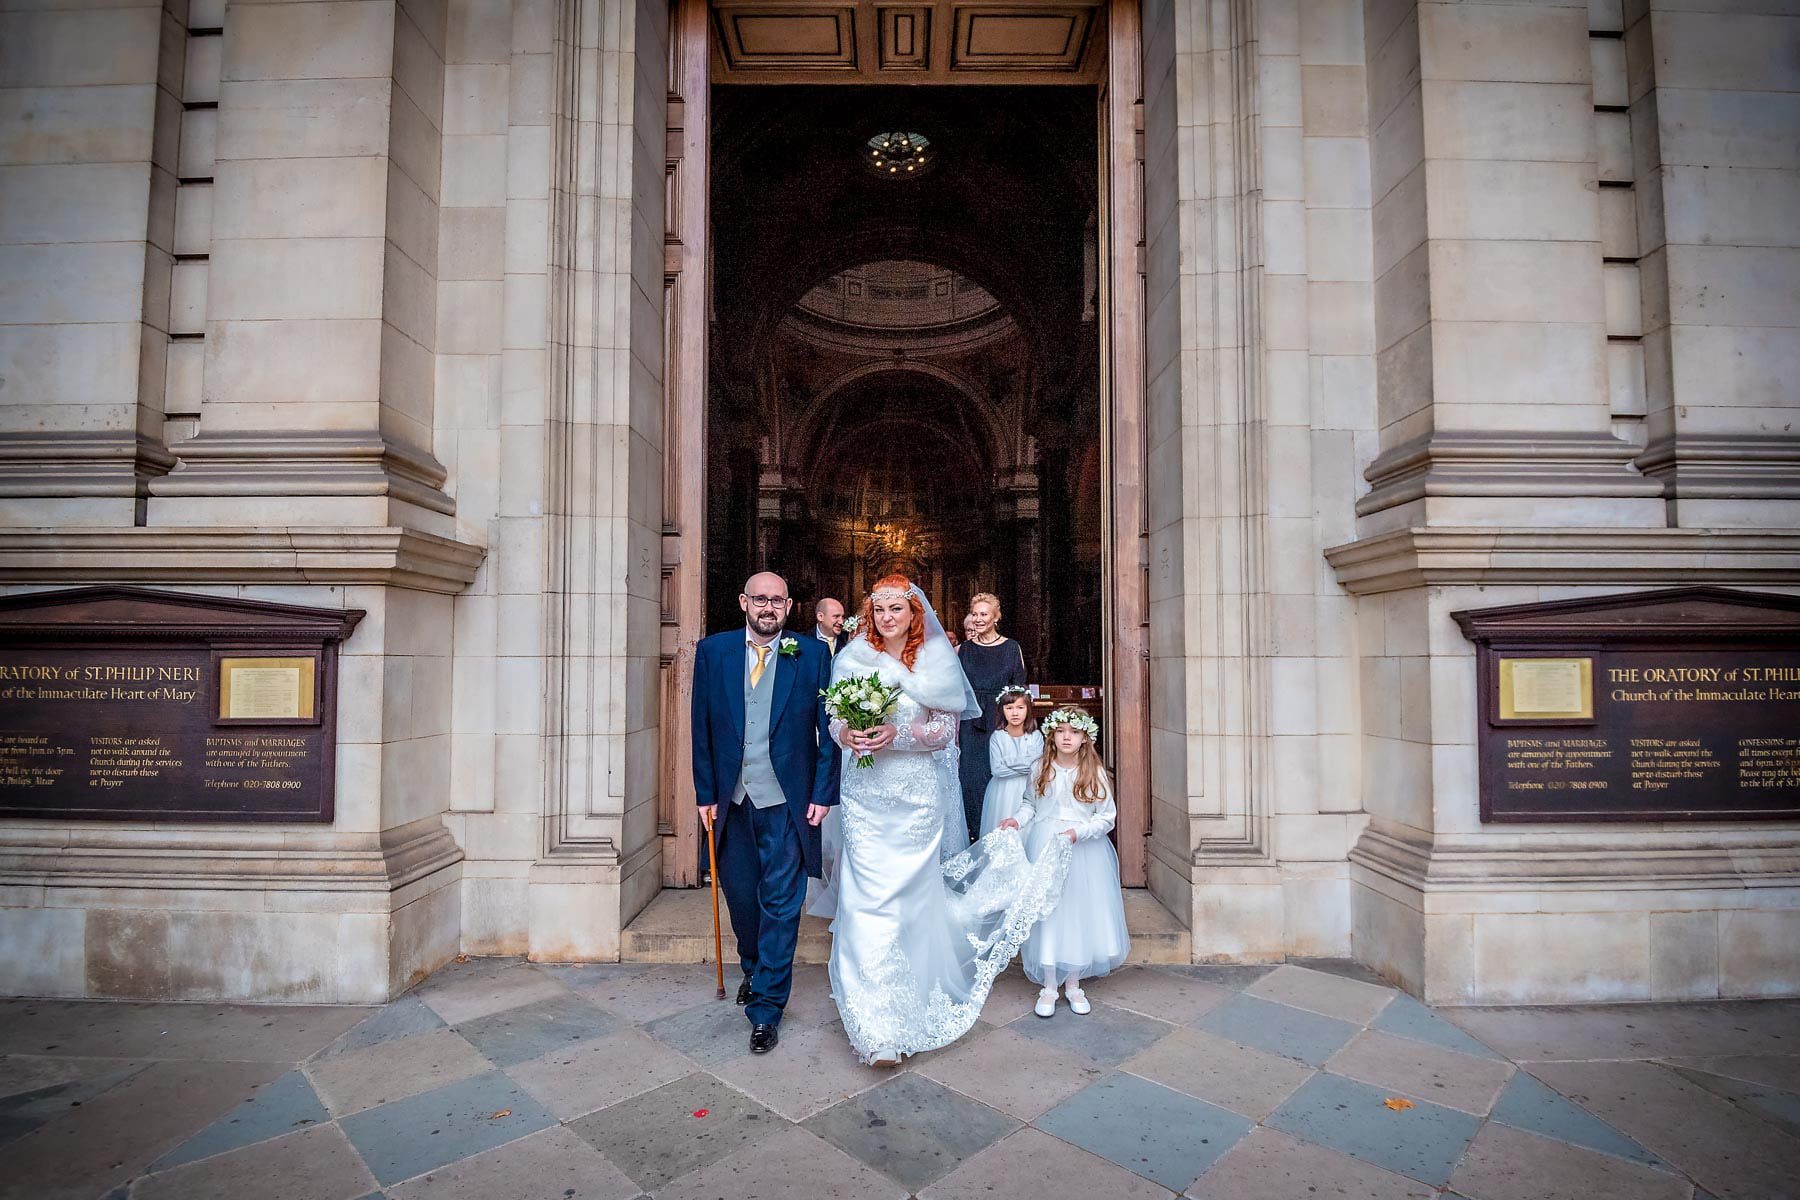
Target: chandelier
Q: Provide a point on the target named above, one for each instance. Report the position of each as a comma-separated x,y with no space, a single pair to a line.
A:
898,155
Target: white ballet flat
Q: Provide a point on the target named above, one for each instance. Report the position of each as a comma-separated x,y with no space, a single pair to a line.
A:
1078,1002
1046,1003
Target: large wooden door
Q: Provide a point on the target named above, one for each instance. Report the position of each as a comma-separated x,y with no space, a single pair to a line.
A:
976,41
1122,407
684,427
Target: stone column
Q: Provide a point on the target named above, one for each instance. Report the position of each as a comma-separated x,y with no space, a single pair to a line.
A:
307,228
598,855
321,302
90,121
1489,302
1508,326
1713,117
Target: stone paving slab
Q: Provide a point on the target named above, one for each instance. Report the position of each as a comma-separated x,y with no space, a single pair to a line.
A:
1510,1164
1221,1072
1271,1165
1422,1070
912,1129
499,1079
1422,1140
1157,1132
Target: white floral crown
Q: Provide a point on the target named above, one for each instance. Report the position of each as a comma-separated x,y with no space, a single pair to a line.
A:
1074,718
1011,689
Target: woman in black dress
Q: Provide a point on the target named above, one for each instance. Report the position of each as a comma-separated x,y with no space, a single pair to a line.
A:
991,662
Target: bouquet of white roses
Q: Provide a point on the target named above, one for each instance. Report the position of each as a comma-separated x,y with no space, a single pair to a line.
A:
861,702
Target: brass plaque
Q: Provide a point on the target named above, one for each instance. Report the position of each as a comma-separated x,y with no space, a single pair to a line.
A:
252,689
1539,689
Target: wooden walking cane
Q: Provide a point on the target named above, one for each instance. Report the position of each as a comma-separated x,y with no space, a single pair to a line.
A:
712,864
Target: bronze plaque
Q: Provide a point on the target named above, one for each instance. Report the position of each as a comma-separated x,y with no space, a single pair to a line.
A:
129,704
1668,706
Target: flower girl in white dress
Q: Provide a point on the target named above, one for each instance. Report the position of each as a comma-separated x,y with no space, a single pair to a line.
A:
1013,753
1071,798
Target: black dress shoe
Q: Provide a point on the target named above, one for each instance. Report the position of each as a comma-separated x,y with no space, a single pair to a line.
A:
763,1038
743,993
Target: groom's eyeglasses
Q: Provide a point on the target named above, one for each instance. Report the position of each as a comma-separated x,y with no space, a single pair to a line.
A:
766,601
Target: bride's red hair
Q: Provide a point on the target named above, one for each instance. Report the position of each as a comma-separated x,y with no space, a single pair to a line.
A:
915,633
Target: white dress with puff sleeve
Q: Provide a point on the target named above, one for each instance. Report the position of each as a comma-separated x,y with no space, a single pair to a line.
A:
1085,935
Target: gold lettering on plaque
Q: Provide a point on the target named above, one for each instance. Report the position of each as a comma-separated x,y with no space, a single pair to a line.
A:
1546,689
266,688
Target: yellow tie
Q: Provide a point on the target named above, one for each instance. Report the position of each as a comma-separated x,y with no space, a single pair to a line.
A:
762,659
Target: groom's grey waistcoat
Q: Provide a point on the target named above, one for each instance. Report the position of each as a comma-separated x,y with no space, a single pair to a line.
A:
757,779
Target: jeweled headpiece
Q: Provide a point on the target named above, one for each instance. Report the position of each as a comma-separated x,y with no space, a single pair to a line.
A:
889,594
1074,718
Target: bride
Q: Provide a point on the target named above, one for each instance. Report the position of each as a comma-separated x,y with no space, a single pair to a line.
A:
924,922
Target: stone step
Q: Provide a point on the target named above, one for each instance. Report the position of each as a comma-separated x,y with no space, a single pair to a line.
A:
676,927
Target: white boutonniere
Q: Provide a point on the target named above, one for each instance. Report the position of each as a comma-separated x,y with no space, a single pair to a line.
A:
850,624
788,647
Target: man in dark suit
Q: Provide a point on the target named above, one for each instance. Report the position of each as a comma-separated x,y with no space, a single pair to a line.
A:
765,771
828,623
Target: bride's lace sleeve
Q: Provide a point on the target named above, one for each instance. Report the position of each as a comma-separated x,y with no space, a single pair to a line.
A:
933,731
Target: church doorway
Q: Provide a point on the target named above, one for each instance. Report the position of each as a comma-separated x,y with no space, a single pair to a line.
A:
904,368
894,345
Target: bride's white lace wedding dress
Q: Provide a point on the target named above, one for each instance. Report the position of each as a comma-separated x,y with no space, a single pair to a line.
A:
924,922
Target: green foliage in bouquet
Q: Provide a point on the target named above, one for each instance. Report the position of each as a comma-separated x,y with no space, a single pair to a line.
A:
862,702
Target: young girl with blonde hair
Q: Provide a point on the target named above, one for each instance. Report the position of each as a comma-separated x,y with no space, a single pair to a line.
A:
1070,797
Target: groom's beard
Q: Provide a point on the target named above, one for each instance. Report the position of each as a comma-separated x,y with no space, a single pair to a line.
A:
765,624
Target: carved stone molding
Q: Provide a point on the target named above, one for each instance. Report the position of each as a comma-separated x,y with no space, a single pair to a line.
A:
279,463
101,463
1725,466
1409,558
1487,463
392,556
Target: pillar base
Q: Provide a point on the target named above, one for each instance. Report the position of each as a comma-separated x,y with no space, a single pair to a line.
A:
219,914
1579,917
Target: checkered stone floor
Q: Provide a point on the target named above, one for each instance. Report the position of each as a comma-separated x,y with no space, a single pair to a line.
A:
500,1080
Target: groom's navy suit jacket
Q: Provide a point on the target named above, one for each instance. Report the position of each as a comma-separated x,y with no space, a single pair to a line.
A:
800,746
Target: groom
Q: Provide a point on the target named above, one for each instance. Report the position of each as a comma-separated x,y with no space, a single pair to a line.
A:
765,771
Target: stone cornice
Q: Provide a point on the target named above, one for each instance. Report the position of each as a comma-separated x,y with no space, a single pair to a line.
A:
1409,558
175,555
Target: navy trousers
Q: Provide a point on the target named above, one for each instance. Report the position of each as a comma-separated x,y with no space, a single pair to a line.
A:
763,876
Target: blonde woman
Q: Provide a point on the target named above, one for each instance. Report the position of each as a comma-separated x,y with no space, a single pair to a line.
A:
991,662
